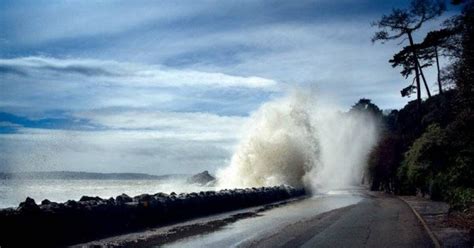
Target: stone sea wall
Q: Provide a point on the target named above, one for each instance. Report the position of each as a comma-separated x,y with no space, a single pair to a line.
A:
59,224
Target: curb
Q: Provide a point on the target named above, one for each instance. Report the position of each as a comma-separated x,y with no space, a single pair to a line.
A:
422,221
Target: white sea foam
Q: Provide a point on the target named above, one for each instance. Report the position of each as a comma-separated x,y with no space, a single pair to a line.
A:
299,141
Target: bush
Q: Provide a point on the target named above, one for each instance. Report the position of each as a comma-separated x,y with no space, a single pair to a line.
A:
440,163
425,158
460,198
433,155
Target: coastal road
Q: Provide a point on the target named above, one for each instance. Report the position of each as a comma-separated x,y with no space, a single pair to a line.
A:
346,218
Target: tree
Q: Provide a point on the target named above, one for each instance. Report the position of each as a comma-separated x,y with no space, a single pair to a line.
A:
366,106
405,59
434,43
383,163
465,66
403,22
426,157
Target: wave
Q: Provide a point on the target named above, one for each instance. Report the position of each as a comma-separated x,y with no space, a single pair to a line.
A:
298,141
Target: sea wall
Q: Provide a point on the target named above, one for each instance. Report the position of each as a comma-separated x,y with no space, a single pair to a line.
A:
58,224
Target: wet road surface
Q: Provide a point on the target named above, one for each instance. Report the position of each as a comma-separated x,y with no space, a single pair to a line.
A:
337,220
347,218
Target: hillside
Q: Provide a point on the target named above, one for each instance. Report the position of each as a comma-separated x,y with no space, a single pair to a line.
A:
76,175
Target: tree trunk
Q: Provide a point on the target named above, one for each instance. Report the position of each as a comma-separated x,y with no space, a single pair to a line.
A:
424,80
439,73
417,74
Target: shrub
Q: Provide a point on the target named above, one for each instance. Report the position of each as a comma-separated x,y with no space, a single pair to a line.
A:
460,198
424,159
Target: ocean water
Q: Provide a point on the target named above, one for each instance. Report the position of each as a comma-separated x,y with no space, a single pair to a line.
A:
13,191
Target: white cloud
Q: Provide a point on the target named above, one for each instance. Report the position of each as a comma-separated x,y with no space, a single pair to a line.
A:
155,143
337,56
176,125
137,75
42,84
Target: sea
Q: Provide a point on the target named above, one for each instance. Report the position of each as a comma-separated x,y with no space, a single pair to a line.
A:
14,191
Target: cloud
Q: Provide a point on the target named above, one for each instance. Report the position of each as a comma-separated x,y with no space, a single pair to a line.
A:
164,87
44,84
197,125
306,42
128,141
112,72
110,151
117,140
95,115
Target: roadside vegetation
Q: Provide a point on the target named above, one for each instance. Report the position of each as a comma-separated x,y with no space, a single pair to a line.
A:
427,148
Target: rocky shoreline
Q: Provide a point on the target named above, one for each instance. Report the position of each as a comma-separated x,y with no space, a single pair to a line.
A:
59,224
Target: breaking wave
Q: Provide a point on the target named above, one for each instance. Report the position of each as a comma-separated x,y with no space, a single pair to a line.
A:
296,141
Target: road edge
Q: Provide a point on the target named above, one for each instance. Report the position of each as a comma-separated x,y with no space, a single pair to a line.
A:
182,230
422,221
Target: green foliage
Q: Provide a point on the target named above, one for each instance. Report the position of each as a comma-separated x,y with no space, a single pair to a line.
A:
425,158
434,156
465,69
406,60
440,163
428,146
460,198
366,105
427,152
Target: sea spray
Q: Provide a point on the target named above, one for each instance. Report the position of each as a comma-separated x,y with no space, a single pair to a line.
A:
280,146
345,141
298,141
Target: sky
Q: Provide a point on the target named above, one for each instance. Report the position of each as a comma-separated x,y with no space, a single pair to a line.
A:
167,86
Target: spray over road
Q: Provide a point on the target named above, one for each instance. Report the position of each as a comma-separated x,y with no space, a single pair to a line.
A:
345,218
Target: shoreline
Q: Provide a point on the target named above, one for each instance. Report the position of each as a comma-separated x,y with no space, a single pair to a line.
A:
92,218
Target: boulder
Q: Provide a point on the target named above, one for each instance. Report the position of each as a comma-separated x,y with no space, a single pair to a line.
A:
92,217
29,205
89,198
202,178
122,199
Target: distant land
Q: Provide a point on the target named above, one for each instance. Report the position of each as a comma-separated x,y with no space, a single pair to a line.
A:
78,175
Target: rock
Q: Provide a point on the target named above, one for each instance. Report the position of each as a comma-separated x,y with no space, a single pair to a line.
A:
97,217
89,198
45,202
29,205
123,198
71,204
142,198
160,195
202,178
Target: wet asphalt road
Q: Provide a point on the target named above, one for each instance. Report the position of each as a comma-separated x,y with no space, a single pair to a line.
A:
344,218
374,220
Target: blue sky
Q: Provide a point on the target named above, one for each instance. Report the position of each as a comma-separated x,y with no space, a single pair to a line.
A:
162,86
